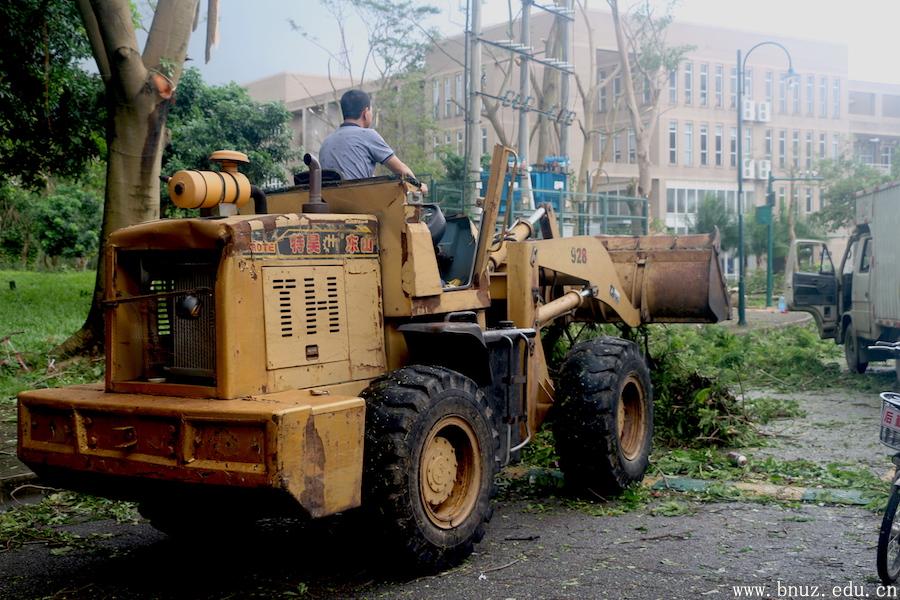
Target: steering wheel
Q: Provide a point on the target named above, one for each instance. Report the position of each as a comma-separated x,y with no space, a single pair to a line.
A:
433,217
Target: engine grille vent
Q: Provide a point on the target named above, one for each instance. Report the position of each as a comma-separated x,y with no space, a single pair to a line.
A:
321,304
162,314
284,287
305,316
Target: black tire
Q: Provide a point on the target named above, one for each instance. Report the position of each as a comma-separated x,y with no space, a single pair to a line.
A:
431,454
856,358
889,541
603,422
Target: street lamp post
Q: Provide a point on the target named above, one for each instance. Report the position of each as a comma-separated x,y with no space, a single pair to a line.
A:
742,302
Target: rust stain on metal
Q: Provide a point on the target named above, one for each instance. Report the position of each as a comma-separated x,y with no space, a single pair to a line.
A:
313,495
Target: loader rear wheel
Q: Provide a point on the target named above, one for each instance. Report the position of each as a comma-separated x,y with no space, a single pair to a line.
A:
431,454
603,424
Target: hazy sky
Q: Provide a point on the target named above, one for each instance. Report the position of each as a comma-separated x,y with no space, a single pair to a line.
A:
257,39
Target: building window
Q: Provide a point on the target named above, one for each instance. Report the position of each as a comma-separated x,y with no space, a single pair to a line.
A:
733,87
484,141
748,83
835,146
704,145
673,142
434,144
768,144
809,204
809,149
447,101
459,142
646,95
782,148
718,147
795,149
617,87
688,82
447,140
887,155
460,101
617,148
688,143
822,146
823,97
747,148
600,77
795,98
632,147
720,85
673,86
682,205
704,84
836,97
436,98
811,95
782,93
781,196
733,147
770,86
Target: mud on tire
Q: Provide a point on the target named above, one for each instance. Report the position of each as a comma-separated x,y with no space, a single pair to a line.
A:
603,421
430,458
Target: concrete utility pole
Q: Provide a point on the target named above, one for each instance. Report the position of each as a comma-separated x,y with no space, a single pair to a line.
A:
473,168
564,83
527,201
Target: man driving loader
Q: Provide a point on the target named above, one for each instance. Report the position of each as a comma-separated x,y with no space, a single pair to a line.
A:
355,148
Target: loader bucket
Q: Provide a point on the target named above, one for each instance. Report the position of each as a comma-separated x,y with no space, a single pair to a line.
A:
671,279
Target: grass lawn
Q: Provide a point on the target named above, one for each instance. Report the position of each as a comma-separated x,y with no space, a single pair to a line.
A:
43,310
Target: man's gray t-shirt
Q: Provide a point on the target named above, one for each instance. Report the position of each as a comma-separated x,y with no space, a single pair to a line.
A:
354,151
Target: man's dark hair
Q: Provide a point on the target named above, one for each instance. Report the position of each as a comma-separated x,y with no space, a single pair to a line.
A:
353,103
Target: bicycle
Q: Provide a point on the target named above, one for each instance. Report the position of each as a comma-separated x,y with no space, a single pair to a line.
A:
888,560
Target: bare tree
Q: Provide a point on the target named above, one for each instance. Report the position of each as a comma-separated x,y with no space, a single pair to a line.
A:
645,58
589,93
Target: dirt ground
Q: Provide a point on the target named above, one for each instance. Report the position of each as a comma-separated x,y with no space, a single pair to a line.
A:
537,548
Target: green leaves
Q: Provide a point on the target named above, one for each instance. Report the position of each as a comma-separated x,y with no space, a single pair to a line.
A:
51,115
208,118
842,179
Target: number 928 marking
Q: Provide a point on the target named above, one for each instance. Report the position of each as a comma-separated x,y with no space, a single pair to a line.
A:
579,255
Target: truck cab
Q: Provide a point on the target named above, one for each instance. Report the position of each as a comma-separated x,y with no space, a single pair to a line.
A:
842,301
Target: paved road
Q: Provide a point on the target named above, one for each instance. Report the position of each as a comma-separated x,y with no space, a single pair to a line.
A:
539,548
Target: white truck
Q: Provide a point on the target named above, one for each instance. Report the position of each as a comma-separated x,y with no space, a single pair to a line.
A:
858,303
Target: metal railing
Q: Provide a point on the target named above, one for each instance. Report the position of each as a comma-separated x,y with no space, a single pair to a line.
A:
577,213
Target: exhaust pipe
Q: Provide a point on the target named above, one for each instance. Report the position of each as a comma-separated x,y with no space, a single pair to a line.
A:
315,203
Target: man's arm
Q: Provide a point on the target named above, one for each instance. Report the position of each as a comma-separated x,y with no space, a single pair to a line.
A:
399,167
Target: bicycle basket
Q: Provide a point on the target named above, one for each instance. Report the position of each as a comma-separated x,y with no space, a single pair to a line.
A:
890,420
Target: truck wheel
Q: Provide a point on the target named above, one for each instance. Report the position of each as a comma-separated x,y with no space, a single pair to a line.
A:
431,454
855,356
603,424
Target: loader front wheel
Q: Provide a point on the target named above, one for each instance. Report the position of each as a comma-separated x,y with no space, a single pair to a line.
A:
603,424
431,454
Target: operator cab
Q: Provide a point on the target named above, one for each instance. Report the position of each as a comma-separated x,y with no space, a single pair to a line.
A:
453,236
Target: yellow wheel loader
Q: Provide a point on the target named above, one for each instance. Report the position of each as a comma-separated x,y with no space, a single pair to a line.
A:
344,344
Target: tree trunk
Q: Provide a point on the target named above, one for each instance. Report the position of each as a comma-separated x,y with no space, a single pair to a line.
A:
548,141
138,94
